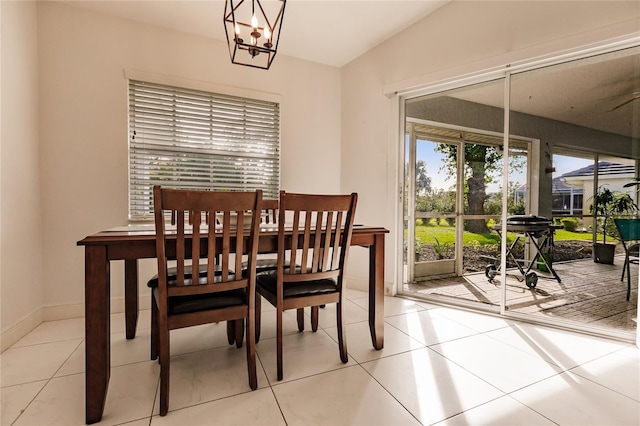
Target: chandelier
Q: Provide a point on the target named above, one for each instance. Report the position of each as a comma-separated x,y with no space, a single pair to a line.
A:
253,29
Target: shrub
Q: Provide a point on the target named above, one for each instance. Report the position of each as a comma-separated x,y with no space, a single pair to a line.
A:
570,224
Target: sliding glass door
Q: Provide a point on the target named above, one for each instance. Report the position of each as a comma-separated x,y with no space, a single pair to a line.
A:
571,129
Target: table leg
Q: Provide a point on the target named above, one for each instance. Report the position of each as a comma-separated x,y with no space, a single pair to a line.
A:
131,297
97,331
376,291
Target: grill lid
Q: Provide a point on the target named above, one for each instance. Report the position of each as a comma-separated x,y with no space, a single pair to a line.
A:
527,223
528,220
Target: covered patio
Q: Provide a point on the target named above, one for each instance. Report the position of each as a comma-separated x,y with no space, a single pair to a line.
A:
589,293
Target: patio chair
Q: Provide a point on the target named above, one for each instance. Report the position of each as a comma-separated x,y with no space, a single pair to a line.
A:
629,230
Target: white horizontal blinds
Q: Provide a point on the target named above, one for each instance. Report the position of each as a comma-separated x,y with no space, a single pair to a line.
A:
185,138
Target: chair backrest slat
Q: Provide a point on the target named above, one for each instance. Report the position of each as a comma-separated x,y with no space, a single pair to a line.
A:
239,239
211,247
180,246
194,219
317,241
328,243
337,236
294,237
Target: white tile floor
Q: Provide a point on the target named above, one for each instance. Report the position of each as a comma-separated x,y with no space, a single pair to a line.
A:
439,366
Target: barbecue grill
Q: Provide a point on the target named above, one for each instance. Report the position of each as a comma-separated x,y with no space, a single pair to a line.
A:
539,230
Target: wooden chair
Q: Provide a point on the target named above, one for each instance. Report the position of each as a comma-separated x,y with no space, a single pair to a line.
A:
629,230
269,262
222,293
322,226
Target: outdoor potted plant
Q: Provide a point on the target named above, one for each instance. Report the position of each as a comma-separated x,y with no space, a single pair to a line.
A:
608,204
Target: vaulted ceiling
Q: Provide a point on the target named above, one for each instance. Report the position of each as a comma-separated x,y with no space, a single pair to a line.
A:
325,31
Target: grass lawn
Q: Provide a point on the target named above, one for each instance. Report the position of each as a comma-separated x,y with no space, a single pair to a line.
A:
445,235
561,235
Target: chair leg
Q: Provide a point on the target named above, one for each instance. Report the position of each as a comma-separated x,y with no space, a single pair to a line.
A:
239,330
251,351
315,310
258,317
231,331
300,312
624,268
279,342
342,339
154,327
164,367
628,264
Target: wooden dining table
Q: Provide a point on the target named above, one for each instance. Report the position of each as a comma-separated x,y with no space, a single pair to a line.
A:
130,243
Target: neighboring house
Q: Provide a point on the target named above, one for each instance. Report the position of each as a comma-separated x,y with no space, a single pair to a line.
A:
566,199
573,190
612,175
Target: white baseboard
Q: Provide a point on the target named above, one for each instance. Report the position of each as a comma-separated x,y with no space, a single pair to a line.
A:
20,329
54,313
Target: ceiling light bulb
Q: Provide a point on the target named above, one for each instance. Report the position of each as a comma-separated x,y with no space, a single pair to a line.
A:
267,33
254,21
237,29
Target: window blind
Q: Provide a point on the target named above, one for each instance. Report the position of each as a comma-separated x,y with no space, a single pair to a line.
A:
191,139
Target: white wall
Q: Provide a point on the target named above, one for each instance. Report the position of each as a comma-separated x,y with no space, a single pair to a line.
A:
83,127
458,39
22,288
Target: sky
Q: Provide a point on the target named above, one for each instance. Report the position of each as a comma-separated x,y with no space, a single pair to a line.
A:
440,179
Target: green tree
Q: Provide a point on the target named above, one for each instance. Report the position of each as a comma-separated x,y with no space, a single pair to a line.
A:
493,203
483,164
423,181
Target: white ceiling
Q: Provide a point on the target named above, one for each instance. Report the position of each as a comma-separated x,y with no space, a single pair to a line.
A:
599,93
323,31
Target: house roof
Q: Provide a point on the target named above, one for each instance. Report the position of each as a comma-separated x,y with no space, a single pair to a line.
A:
604,168
558,184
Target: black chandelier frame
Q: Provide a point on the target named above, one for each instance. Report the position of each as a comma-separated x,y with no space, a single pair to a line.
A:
252,44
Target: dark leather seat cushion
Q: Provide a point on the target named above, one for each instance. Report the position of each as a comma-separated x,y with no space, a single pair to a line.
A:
268,281
172,272
263,265
199,302
186,304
